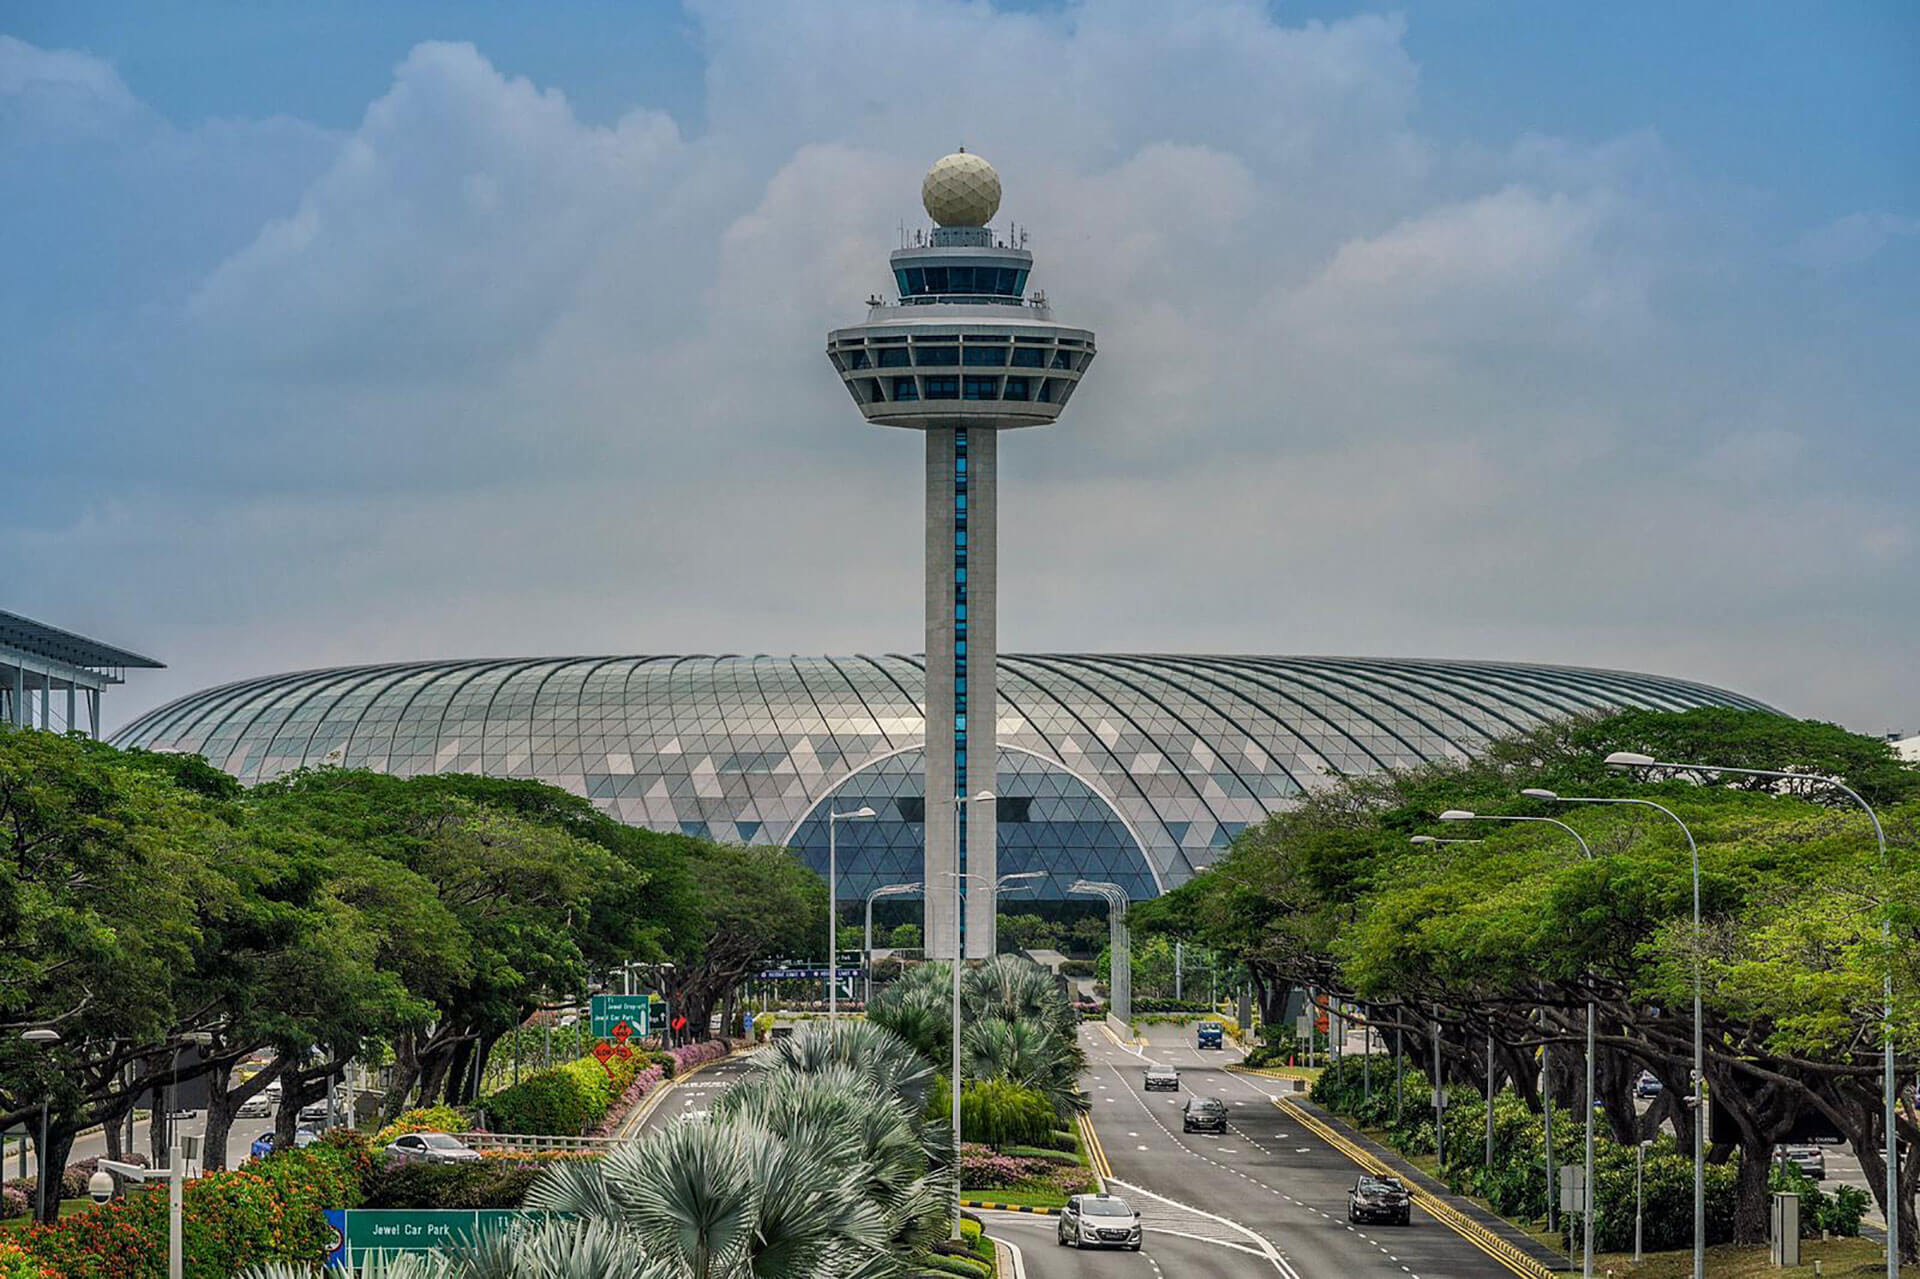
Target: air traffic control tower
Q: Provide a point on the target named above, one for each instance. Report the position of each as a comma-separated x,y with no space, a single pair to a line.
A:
963,355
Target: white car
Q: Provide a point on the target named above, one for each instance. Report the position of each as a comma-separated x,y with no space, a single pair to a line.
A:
1161,1079
1098,1221
258,1106
432,1148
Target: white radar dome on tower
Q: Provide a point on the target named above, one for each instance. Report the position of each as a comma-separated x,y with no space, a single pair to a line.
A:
961,190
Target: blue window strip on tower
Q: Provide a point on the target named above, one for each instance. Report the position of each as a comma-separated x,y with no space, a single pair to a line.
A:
960,665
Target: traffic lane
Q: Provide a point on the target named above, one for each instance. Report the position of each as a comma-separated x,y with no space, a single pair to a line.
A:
1161,1256
93,1145
1265,1173
697,1092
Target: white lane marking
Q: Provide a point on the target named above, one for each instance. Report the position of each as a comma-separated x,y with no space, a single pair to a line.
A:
1264,1248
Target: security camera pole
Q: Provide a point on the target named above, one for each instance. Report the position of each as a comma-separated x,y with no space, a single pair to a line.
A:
176,1174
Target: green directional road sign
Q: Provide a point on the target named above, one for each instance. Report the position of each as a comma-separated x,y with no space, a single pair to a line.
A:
610,1010
363,1232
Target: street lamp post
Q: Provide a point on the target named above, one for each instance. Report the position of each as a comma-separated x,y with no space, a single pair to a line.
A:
959,961
887,890
1621,759
1119,946
1632,760
45,1036
1639,1194
1586,1205
833,912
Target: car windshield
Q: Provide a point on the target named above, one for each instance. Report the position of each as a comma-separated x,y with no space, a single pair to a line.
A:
1380,1183
1105,1208
1208,1103
440,1141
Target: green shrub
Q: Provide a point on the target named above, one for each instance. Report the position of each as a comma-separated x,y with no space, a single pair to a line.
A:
966,1267
1038,1152
566,1101
491,1183
1076,968
429,1119
1001,1113
266,1211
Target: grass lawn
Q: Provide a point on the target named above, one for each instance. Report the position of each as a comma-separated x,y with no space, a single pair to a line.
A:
67,1208
1847,1258
1022,1198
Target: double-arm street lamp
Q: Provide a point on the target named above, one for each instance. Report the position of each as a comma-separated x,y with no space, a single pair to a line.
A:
1586,1210
1119,946
1634,761
885,890
1699,1099
833,911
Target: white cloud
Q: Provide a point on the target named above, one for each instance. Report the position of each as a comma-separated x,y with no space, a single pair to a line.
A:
481,376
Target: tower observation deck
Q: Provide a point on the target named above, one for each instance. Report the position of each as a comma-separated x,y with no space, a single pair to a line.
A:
962,354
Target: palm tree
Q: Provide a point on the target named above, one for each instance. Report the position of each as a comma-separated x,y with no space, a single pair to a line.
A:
1029,1054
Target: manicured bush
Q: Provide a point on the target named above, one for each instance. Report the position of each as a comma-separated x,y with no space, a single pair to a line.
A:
1076,968
565,1101
266,1211
686,1058
15,1263
429,1119
491,1183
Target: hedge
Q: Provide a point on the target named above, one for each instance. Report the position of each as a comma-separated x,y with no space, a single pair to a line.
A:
565,1101
266,1211
491,1183
427,1119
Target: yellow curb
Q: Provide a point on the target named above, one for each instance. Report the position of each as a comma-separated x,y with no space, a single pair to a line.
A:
1096,1153
1446,1214
630,1126
982,1203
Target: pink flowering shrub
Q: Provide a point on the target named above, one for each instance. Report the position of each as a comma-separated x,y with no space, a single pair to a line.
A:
643,1083
982,1169
692,1055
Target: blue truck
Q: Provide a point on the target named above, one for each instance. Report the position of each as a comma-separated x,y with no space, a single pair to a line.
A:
1210,1034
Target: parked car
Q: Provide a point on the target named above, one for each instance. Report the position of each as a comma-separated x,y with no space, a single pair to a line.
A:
1203,1114
432,1148
314,1113
1808,1159
264,1144
1210,1034
1380,1199
1162,1079
1646,1086
258,1106
1098,1221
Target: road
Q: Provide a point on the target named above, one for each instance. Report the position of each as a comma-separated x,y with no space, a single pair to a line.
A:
1162,1255
1266,1175
690,1095
91,1145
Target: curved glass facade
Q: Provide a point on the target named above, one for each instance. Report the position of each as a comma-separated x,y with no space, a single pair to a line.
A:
1179,752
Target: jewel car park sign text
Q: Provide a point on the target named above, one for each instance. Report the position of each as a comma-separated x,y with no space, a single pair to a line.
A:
359,1233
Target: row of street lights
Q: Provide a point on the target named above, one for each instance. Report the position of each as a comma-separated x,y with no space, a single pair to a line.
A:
1635,762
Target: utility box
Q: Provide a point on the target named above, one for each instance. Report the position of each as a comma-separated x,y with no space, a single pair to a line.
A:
1786,1229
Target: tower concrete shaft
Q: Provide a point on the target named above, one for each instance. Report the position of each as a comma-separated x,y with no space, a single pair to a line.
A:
962,355
962,754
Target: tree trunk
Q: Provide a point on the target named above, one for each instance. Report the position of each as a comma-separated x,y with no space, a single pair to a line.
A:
222,1103
458,1077
157,1125
405,1073
52,1169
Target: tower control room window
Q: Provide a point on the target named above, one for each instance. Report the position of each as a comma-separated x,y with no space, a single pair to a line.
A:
943,388
982,388
893,357
986,356
1016,389
1062,360
1027,357
856,359
904,389
936,355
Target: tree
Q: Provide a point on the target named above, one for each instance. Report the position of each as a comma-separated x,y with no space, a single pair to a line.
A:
752,904
904,937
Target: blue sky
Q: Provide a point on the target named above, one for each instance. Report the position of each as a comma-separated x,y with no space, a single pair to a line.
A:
1576,333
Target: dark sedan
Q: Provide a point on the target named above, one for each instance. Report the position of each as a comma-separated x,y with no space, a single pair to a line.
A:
1204,1114
1380,1199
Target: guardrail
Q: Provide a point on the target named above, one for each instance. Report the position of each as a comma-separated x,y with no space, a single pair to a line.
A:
535,1143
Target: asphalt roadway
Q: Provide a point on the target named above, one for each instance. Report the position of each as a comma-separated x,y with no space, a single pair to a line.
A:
1277,1190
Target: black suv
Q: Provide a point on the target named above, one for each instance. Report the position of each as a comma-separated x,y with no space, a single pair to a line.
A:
1380,1199
1204,1114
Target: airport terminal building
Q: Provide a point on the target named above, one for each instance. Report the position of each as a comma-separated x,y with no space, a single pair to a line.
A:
1135,769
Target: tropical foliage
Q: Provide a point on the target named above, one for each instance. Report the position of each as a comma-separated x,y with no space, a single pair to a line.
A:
1505,939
